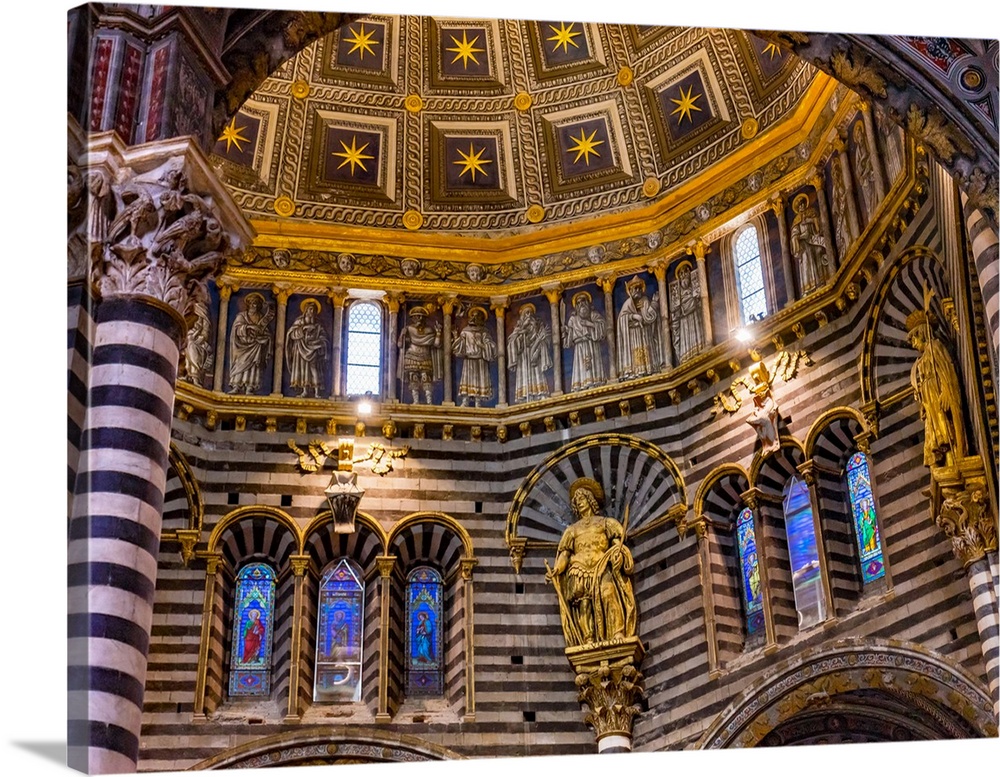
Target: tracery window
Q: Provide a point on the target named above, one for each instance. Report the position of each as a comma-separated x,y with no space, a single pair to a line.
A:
253,631
424,649
364,349
750,275
753,599
339,627
859,489
803,554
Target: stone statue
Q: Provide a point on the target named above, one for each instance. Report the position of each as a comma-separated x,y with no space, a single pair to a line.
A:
420,358
688,330
477,349
863,165
893,147
936,389
764,415
639,350
591,573
198,353
250,345
529,353
584,333
808,245
306,347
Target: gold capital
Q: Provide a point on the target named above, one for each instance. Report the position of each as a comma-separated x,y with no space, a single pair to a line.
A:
385,565
299,564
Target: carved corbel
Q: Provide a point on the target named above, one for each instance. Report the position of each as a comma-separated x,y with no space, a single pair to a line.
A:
517,546
188,538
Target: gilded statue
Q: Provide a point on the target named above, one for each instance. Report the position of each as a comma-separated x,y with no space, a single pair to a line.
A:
591,572
936,389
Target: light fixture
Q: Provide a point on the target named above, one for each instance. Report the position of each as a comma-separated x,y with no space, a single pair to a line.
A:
743,335
364,407
343,494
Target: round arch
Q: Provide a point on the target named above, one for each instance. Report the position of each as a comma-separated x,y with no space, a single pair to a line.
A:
325,517
760,460
329,745
826,418
432,517
712,478
941,696
248,511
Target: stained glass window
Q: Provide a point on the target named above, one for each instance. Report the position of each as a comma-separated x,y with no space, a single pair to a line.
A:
750,276
859,487
753,598
803,555
364,349
253,629
339,629
424,649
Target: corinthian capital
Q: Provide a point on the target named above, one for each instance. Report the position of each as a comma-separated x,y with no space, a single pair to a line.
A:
966,520
612,694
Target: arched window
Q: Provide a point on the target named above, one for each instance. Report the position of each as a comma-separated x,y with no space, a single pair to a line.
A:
753,596
424,653
803,554
750,275
364,349
859,489
339,626
253,630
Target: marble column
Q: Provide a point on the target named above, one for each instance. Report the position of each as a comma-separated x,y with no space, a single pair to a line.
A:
499,305
607,284
553,293
787,266
300,566
751,499
466,566
338,297
699,249
853,218
393,301
447,308
876,157
225,292
281,293
659,269
824,219
386,565
214,566
117,510
808,471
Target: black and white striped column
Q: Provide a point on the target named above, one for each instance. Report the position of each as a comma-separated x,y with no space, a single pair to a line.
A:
982,583
985,248
114,529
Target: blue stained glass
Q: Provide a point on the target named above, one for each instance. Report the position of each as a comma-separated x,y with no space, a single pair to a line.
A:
807,583
250,666
339,632
859,487
753,598
425,662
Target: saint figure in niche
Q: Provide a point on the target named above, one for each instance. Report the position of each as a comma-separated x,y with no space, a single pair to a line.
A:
529,352
477,350
306,350
420,359
584,333
639,350
250,345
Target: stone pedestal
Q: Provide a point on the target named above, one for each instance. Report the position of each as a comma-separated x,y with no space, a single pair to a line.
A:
610,684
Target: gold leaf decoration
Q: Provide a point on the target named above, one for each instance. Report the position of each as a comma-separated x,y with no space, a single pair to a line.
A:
858,74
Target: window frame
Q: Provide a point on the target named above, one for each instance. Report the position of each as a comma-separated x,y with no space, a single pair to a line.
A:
378,388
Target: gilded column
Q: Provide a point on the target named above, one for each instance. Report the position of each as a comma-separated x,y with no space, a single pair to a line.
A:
281,292
499,305
553,293
214,564
467,565
300,565
808,471
659,268
699,249
751,499
824,219
700,525
393,302
386,564
146,273
778,208
338,297
607,284
225,292
447,308
852,202
876,157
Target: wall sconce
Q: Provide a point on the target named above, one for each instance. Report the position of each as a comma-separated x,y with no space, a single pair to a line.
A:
343,493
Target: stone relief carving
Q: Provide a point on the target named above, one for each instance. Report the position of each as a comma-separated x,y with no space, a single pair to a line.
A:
478,350
529,355
250,344
420,357
306,345
584,333
639,349
687,326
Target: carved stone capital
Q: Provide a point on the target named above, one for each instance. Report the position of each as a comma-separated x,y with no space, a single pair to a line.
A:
213,563
299,564
961,509
553,292
751,498
606,282
609,683
466,565
338,297
685,522
188,538
808,471
385,565
698,249
168,225
517,545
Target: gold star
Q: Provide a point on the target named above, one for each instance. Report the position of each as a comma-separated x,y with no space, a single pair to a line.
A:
472,161
585,146
773,49
685,105
231,134
362,42
563,37
353,155
465,50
